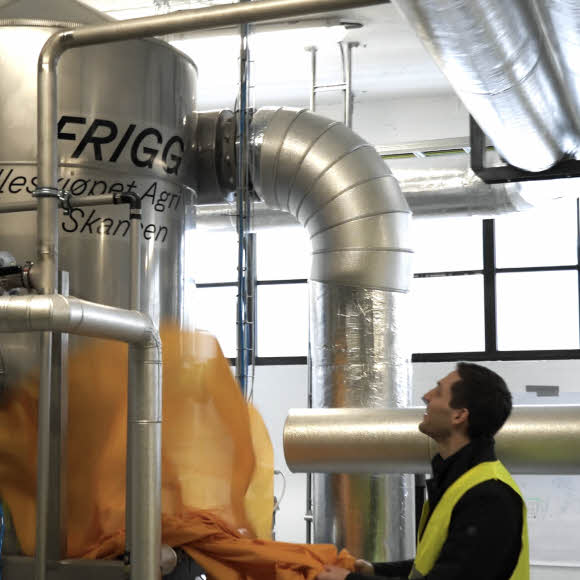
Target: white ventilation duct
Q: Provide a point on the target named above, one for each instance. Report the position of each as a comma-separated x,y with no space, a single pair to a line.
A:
560,21
433,187
341,191
495,56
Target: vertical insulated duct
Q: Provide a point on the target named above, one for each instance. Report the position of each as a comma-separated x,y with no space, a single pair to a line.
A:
343,193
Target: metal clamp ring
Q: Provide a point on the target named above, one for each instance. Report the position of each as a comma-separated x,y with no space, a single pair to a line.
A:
46,192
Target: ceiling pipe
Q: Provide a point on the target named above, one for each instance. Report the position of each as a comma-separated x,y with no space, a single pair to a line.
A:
494,55
534,440
337,186
560,20
433,187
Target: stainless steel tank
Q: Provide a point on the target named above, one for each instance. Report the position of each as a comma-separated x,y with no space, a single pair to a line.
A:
126,124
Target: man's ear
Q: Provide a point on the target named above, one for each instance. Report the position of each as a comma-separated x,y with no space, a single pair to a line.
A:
460,416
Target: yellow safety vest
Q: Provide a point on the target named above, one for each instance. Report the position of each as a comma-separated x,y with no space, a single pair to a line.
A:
434,534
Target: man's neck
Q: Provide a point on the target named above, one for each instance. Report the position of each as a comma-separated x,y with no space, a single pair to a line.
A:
452,445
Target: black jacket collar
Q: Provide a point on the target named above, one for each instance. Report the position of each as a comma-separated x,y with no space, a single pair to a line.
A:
446,471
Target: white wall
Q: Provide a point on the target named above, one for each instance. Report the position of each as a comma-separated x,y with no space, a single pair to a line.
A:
277,389
553,501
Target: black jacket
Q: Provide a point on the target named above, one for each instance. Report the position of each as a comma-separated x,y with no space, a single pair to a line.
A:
485,531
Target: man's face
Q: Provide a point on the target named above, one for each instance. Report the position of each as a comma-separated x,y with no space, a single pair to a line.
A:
440,419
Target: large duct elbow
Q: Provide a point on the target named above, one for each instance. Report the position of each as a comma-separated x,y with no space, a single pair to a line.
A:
493,54
338,187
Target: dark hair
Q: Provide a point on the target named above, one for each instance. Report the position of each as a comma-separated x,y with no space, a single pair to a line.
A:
485,395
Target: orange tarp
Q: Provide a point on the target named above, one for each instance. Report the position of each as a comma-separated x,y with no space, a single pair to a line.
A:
217,463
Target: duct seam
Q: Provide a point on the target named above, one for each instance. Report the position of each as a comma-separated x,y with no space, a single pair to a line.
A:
349,188
359,217
335,161
291,184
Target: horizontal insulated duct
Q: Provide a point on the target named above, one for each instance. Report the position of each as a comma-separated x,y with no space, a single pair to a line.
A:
494,54
535,440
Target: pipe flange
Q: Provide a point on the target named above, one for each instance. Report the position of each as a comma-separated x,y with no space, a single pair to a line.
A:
215,156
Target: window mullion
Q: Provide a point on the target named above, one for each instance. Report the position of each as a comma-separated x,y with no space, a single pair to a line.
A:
489,291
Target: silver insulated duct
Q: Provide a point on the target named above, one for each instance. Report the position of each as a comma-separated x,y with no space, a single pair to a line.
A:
339,188
494,55
560,20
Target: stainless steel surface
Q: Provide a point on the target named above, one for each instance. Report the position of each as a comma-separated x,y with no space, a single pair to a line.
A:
534,440
215,143
21,568
222,217
493,54
138,86
135,263
433,187
328,178
67,314
342,192
43,490
312,50
57,455
560,20
348,96
359,359
204,18
144,534
32,204
168,559
134,385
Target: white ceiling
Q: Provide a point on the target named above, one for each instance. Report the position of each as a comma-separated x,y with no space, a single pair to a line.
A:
390,62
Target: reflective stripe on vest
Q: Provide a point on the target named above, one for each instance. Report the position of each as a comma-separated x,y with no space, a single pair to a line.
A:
433,534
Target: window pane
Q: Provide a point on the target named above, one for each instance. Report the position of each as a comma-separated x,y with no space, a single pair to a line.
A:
214,310
214,256
537,310
447,244
283,320
283,254
447,314
541,237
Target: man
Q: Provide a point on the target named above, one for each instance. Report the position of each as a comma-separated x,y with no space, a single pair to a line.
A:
473,526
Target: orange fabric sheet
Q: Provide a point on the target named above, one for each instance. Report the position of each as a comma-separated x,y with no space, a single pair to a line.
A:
217,495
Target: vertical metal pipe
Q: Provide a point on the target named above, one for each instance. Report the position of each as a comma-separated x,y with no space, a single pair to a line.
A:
251,284
348,100
133,386
312,50
47,250
242,207
56,516
145,433
135,250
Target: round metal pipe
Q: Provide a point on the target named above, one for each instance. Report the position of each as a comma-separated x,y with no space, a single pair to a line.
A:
493,53
344,195
534,440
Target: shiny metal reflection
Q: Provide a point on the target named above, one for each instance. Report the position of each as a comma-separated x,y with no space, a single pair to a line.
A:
535,440
493,54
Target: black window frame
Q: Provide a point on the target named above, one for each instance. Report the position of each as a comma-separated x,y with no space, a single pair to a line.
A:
489,272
